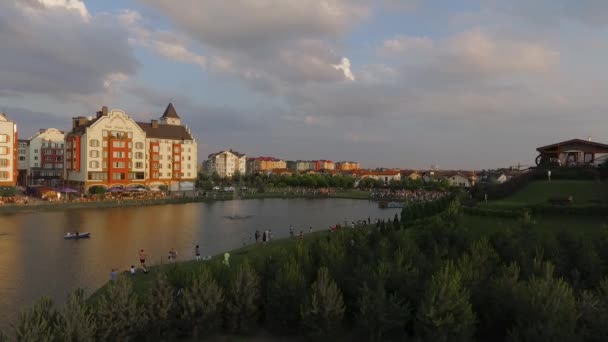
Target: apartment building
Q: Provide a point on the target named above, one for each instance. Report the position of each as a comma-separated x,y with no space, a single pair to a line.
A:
44,162
8,151
347,166
264,164
226,163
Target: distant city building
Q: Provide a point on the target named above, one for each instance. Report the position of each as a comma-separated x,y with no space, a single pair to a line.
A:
347,166
385,176
264,164
301,165
112,150
226,163
324,165
458,179
44,164
8,151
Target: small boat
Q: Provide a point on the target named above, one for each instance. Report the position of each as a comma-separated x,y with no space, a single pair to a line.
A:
77,236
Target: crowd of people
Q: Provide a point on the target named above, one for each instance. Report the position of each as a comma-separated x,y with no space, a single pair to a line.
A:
408,195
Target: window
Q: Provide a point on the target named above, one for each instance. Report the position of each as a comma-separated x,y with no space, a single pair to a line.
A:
104,143
139,145
188,174
168,166
140,155
104,133
94,164
4,175
130,135
36,151
136,175
176,149
118,144
154,148
176,167
21,158
130,144
98,176
104,164
48,166
94,143
94,154
177,158
59,166
189,157
3,138
4,162
59,159
119,165
168,148
139,165
35,157
118,176
117,154
104,153
155,166
130,155
3,150
156,157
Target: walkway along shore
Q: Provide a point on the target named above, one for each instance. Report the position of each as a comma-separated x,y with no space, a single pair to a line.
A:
52,206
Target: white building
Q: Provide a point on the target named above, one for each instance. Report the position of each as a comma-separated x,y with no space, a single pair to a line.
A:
22,161
385,176
112,150
8,151
226,163
44,162
458,180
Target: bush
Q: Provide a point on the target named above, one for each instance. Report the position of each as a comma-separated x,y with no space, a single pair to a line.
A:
323,311
119,315
97,190
38,324
445,313
201,305
76,320
8,191
242,302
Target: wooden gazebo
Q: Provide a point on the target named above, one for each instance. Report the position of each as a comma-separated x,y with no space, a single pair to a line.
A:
575,152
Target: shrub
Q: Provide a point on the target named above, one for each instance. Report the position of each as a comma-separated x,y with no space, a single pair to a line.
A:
8,191
76,320
323,311
201,306
97,190
119,315
445,313
242,302
38,324
160,307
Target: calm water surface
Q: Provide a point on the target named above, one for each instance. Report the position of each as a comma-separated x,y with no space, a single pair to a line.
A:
36,261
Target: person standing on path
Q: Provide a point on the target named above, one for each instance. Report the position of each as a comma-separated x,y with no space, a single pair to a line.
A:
197,253
265,236
142,260
257,236
291,230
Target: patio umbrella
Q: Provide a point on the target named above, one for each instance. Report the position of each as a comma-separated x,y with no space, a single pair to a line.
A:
68,191
115,190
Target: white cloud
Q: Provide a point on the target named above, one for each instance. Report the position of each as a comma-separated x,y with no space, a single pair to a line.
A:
345,67
49,49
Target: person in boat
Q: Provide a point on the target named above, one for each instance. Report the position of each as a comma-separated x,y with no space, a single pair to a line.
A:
68,234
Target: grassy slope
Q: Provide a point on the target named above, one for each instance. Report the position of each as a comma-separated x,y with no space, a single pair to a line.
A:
539,192
581,224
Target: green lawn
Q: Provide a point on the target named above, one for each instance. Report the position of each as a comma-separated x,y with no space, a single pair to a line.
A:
539,192
581,224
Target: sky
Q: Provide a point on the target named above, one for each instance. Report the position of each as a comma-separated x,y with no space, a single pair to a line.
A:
462,84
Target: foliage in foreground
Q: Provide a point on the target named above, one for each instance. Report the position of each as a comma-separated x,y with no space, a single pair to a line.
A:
433,281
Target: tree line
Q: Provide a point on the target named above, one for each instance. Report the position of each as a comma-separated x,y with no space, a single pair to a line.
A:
434,281
312,181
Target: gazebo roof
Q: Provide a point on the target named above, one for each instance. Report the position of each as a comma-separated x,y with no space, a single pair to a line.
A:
568,143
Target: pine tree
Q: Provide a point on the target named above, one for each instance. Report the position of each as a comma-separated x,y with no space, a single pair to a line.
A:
381,315
284,295
38,324
76,320
323,312
160,307
546,310
445,313
201,306
242,302
119,316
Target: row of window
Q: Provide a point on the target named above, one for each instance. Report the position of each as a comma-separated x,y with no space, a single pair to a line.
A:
156,175
116,143
117,165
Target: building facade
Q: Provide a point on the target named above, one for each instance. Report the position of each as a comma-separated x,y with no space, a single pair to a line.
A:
264,164
45,158
385,176
347,166
324,165
226,163
22,162
301,165
9,143
112,150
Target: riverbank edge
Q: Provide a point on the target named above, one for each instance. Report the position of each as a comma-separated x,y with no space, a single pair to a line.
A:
12,209
240,252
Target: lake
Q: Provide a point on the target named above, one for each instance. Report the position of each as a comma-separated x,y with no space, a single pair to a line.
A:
36,261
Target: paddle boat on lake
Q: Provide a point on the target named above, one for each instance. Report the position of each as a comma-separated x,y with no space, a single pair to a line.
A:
72,236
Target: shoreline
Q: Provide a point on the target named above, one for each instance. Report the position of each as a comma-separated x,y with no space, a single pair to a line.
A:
8,209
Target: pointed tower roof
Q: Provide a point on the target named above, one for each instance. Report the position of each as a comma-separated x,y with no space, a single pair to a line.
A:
170,112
